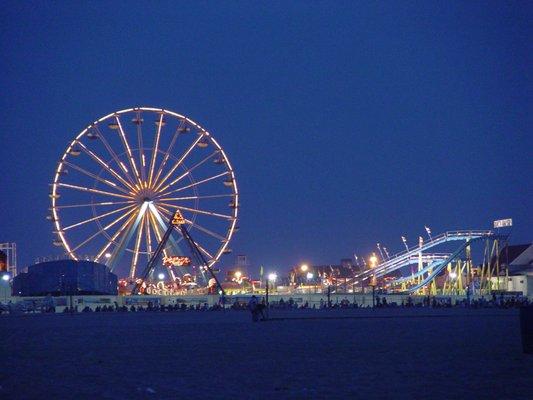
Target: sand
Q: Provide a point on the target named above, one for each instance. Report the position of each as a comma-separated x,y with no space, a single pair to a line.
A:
338,354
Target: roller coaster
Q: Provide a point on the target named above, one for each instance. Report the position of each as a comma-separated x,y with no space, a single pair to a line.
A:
440,273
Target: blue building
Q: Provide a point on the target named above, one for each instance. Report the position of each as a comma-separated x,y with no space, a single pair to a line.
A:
65,277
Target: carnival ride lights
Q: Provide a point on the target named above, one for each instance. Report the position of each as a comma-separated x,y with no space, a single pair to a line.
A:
432,265
121,177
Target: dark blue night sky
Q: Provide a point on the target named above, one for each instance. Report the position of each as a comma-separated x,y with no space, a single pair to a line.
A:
348,123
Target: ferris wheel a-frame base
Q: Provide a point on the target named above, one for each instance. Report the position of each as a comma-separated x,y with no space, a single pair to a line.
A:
176,222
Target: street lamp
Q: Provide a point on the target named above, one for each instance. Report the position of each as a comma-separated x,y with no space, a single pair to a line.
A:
309,276
5,279
238,274
304,267
161,276
271,278
373,261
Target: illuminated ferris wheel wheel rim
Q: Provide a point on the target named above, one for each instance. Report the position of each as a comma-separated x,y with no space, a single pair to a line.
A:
203,133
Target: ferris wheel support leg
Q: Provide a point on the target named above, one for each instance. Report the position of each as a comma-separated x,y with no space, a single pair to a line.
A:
196,251
173,244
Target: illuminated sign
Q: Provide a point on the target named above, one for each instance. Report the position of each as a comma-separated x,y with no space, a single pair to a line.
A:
176,261
502,223
178,218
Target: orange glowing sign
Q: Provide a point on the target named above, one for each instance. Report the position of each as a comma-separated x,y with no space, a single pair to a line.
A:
176,261
178,218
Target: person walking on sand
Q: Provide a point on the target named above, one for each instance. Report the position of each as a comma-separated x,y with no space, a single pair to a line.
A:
252,306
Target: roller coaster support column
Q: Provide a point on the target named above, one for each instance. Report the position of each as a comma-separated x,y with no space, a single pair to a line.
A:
497,264
420,263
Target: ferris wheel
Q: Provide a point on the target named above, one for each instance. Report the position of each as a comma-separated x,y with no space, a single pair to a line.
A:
121,179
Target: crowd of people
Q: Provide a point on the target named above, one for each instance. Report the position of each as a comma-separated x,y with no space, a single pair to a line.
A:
258,307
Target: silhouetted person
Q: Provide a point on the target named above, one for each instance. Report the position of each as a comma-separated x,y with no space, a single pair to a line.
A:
252,306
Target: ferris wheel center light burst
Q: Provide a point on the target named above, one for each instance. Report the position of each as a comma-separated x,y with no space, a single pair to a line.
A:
121,178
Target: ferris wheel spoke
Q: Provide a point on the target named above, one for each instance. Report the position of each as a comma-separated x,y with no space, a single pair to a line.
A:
137,245
91,190
148,237
128,222
142,159
100,231
208,254
205,230
155,227
106,166
196,183
96,177
214,196
119,163
97,217
155,149
178,163
169,150
105,203
128,149
198,211
189,170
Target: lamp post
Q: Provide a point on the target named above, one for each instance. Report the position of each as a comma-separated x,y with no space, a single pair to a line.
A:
303,268
271,279
5,280
309,276
373,261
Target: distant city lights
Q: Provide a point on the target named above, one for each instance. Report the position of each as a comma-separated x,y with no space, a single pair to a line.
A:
272,277
309,276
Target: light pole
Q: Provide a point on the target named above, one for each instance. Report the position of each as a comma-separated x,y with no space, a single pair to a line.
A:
5,280
309,276
303,268
271,279
373,261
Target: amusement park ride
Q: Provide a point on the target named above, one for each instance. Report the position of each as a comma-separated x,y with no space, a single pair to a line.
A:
124,176
440,273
